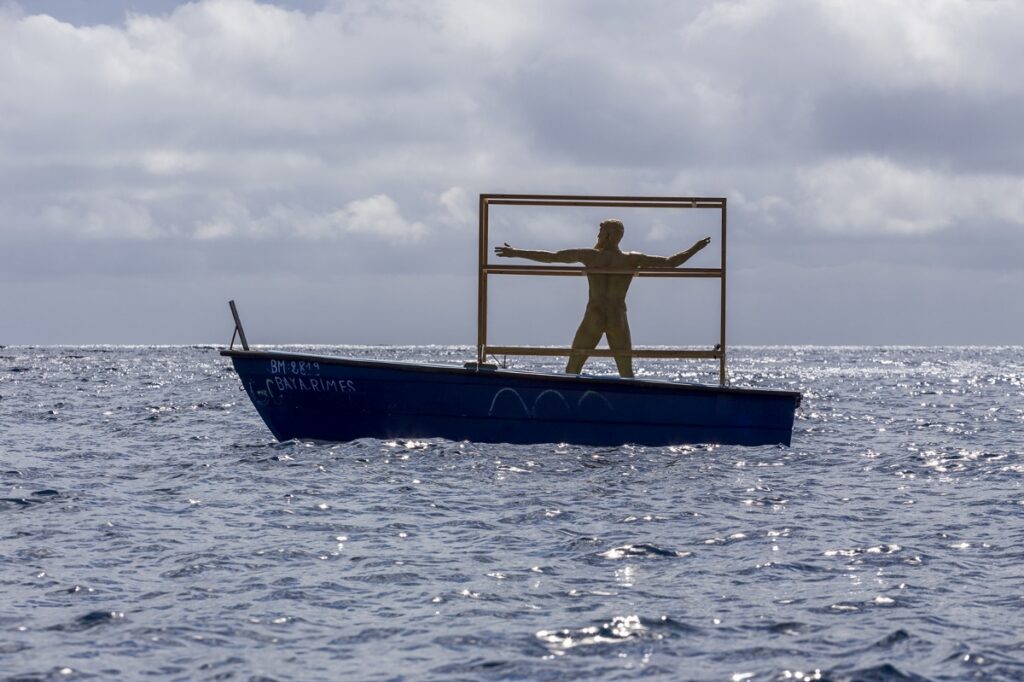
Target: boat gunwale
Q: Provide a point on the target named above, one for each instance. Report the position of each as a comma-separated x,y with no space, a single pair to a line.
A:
608,381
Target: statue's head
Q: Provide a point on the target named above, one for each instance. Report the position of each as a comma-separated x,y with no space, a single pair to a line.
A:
610,233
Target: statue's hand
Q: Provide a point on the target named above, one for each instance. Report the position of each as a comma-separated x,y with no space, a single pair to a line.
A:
505,251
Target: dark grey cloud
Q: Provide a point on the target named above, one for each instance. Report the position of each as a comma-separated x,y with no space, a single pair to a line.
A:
101,12
963,132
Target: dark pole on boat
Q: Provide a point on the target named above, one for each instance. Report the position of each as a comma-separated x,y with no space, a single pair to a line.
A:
238,326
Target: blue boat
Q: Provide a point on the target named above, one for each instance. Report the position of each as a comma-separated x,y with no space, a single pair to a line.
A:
343,399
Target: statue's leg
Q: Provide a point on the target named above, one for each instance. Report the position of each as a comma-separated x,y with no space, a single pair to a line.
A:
619,339
587,336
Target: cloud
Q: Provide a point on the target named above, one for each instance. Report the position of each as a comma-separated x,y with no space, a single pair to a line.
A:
377,217
869,195
252,124
321,109
102,218
458,209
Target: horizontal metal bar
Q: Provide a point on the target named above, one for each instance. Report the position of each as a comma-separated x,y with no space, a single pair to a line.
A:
569,270
609,204
604,352
596,198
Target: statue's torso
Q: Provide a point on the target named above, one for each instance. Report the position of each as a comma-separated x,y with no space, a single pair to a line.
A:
609,291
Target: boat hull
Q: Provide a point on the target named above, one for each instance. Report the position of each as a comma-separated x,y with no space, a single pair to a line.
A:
340,399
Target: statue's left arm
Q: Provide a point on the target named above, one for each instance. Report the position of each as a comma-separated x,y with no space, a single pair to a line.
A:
673,261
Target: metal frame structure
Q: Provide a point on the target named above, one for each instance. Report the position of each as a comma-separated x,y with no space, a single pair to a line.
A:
486,269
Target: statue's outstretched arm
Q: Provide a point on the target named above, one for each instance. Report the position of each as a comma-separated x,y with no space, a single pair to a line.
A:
565,256
673,261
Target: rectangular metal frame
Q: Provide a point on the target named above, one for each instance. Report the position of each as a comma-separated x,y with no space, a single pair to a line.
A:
486,269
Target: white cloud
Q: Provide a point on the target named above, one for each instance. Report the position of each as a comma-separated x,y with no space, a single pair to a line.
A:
231,218
458,208
101,218
496,26
947,43
173,162
801,44
377,217
869,195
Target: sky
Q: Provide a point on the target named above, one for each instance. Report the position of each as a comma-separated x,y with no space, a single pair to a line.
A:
320,162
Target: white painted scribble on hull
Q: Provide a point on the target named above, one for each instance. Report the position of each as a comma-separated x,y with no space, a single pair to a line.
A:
588,396
511,391
594,395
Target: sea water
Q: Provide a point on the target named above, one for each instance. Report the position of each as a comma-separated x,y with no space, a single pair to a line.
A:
152,528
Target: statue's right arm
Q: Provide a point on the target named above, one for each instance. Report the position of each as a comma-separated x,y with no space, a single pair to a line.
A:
564,256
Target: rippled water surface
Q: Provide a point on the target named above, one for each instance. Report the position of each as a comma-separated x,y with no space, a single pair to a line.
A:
150,527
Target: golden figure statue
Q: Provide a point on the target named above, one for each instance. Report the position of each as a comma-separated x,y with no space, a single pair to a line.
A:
606,307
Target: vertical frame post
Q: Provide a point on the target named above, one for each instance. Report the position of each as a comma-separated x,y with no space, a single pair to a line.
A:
721,368
481,309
